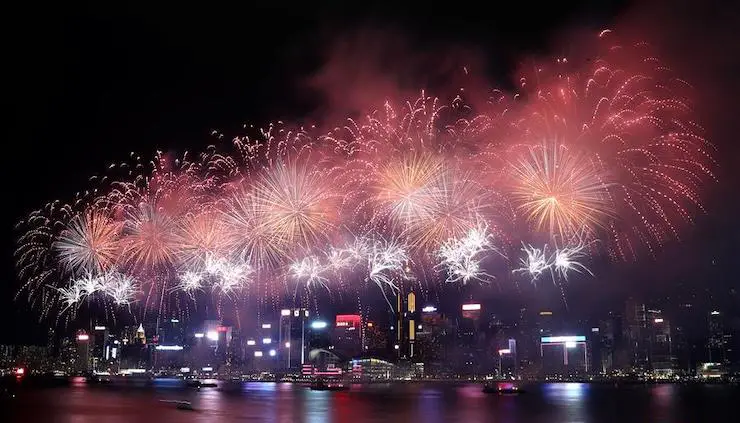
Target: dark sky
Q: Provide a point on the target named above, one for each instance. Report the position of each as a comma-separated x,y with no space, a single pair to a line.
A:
88,85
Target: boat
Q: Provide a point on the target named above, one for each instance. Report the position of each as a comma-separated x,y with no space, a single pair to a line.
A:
199,384
181,405
502,389
321,385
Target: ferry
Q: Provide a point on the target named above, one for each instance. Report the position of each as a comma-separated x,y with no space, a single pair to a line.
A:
321,385
502,389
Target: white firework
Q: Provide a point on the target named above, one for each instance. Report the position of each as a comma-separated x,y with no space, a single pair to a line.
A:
310,270
535,261
386,262
190,282
569,259
231,277
89,284
120,287
462,257
71,295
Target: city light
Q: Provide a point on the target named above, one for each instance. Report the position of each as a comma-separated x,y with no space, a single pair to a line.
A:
545,313
429,309
342,324
369,324
570,344
318,324
99,327
212,335
168,348
207,369
174,321
267,341
184,369
658,320
199,335
20,371
714,313
258,353
470,307
251,342
287,345
396,347
285,312
266,326
504,351
83,337
595,330
272,353
561,339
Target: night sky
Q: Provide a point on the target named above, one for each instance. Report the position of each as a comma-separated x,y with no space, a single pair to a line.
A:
87,86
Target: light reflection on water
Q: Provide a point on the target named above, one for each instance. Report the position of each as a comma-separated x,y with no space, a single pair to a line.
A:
427,403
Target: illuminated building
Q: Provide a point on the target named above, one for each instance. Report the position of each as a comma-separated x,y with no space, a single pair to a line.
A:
372,369
82,357
404,327
507,360
564,355
292,337
431,337
717,342
662,359
376,340
171,332
347,335
636,335
99,346
140,336
470,349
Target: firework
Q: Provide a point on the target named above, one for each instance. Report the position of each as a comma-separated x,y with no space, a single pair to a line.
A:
535,261
89,243
462,257
632,119
598,158
559,191
310,270
120,287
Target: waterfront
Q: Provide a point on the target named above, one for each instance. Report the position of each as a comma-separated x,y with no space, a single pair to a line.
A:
428,403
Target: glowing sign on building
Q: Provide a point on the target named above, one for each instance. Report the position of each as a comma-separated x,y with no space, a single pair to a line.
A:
168,348
470,307
83,337
318,325
429,309
562,339
348,320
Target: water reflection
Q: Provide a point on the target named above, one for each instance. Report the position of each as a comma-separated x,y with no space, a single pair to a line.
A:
427,403
569,399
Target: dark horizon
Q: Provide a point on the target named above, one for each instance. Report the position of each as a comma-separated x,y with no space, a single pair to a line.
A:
90,85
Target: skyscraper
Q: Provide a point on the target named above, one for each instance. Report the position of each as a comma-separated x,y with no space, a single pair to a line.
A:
347,336
717,342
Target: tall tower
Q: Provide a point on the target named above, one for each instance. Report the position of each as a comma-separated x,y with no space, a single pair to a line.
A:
140,335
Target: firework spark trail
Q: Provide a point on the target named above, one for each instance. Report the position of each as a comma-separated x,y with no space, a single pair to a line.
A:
534,263
89,243
462,257
311,271
606,154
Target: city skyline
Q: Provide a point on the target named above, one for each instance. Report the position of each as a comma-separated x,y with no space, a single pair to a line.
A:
709,267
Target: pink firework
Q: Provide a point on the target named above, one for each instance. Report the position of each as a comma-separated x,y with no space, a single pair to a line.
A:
629,115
